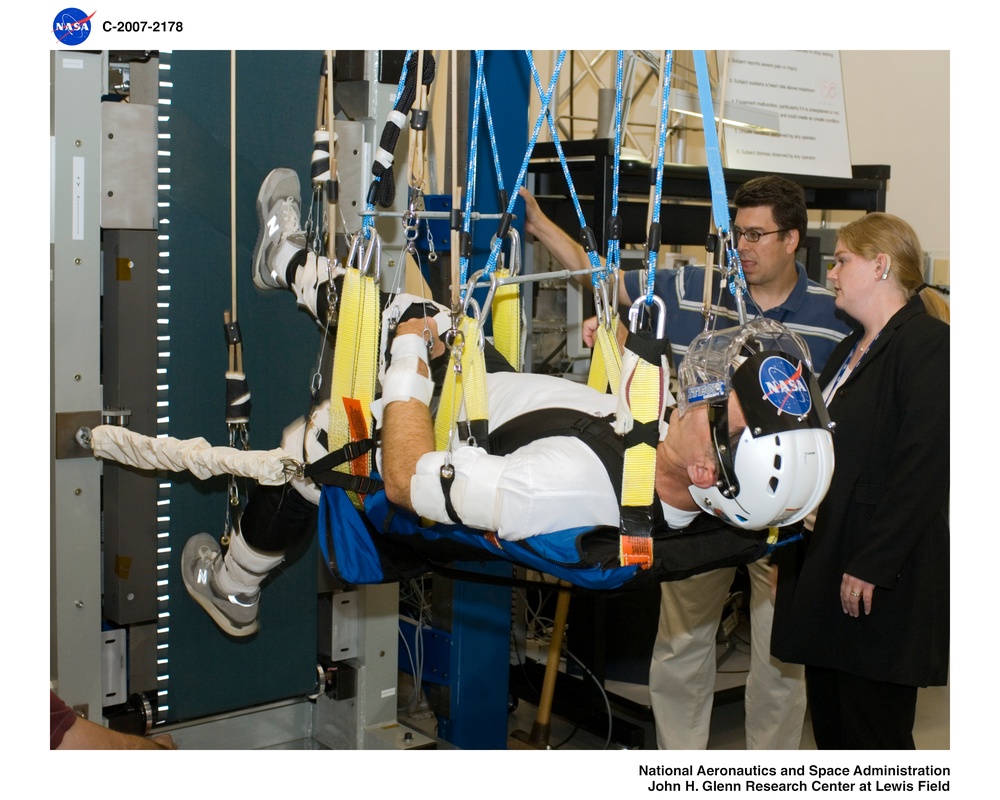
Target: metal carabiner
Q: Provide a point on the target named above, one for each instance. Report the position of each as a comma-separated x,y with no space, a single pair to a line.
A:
432,255
470,287
636,309
373,259
478,314
457,348
488,302
602,304
514,268
364,256
411,221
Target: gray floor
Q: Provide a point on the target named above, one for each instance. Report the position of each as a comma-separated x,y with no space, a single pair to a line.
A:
931,731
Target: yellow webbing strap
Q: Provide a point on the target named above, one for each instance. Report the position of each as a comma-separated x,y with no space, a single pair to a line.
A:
640,387
354,369
506,310
641,400
606,362
466,385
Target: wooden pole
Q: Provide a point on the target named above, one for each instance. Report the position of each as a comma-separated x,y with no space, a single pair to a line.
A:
538,739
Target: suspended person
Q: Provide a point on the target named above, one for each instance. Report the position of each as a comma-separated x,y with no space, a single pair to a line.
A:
769,227
541,486
867,612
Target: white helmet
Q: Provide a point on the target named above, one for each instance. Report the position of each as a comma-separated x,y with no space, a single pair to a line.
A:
778,468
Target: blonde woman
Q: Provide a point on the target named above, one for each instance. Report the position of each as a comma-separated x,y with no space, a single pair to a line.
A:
867,612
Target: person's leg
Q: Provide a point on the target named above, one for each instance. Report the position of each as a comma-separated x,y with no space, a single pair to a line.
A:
276,518
227,585
281,242
775,696
823,693
877,715
682,670
850,712
281,258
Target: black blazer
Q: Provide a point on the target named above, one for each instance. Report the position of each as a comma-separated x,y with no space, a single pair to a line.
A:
885,517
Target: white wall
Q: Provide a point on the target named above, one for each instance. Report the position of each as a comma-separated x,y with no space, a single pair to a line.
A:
898,113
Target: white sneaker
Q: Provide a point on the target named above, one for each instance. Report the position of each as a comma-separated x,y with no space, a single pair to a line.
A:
235,614
281,237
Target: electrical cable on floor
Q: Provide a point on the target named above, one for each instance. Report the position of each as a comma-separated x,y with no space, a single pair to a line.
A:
744,650
418,597
607,702
568,739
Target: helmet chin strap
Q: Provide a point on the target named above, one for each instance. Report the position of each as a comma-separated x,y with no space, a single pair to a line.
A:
718,424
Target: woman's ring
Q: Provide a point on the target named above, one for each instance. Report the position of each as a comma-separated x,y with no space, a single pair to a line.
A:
855,594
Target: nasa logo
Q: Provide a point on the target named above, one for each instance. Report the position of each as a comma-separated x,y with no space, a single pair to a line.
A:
71,26
784,386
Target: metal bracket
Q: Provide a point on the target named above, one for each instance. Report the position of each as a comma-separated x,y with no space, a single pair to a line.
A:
67,425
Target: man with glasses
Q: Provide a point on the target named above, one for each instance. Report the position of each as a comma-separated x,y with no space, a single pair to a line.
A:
770,225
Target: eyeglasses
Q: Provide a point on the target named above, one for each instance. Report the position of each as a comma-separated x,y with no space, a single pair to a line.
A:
753,236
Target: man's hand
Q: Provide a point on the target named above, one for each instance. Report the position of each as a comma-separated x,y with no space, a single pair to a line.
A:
425,328
588,330
533,215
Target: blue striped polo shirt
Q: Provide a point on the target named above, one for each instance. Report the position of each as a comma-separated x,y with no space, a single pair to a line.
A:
808,310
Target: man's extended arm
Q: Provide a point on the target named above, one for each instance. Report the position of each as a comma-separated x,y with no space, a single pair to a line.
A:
561,245
86,735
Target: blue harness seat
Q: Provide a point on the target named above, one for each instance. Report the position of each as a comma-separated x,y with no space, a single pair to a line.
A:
383,543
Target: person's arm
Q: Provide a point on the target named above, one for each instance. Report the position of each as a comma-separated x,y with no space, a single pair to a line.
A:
564,249
407,428
87,735
913,488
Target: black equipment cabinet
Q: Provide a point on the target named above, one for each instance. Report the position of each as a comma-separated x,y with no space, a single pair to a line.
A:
613,633
686,193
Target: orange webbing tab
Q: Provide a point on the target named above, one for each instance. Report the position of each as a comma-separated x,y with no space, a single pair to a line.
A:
635,550
359,430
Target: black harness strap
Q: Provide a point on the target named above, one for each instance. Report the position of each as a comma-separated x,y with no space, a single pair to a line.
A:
595,432
323,471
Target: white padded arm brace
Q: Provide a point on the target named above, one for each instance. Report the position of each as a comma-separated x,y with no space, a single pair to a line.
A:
402,381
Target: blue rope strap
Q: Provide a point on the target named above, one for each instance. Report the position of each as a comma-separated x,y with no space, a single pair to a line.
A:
465,253
586,233
720,204
493,145
654,228
509,213
613,260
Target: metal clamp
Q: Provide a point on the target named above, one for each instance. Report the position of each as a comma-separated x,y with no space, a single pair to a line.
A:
636,309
